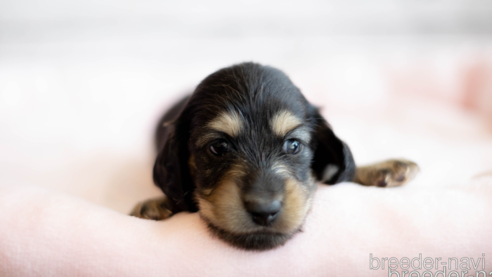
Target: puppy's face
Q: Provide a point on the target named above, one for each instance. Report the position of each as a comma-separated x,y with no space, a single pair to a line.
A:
251,167
251,145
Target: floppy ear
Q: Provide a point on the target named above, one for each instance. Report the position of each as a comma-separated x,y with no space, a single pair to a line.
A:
171,172
333,162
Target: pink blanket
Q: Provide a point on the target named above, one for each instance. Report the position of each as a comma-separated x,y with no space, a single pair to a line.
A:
351,231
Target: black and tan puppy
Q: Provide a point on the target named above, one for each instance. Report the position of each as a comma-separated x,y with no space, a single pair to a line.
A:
246,151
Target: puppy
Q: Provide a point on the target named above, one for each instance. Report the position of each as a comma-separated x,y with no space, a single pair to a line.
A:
246,151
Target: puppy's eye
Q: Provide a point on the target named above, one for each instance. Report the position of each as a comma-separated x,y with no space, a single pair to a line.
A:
219,148
292,146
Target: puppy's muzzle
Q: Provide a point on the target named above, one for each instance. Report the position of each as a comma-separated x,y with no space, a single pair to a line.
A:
263,212
263,199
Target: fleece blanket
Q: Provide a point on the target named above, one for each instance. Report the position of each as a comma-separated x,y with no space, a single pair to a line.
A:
351,231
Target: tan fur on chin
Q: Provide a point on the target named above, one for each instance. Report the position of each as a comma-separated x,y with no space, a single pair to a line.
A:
223,207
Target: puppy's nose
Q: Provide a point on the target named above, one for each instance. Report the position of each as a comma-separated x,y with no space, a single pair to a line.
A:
264,213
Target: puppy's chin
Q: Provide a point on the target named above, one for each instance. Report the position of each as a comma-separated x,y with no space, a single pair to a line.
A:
254,241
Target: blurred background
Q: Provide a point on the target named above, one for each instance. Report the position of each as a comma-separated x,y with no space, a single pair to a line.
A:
82,83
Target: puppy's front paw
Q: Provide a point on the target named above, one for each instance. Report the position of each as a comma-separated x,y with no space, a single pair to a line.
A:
154,209
390,173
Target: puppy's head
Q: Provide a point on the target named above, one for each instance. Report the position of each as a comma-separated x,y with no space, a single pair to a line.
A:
246,152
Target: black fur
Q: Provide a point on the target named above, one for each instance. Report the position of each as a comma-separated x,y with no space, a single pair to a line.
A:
256,241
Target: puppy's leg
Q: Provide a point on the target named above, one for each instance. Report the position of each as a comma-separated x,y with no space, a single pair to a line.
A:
390,173
155,209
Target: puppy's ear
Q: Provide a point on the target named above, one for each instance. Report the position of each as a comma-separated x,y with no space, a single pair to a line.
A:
333,162
171,172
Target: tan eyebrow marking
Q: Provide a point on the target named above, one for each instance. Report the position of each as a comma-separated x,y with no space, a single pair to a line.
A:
227,122
283,122
280,168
